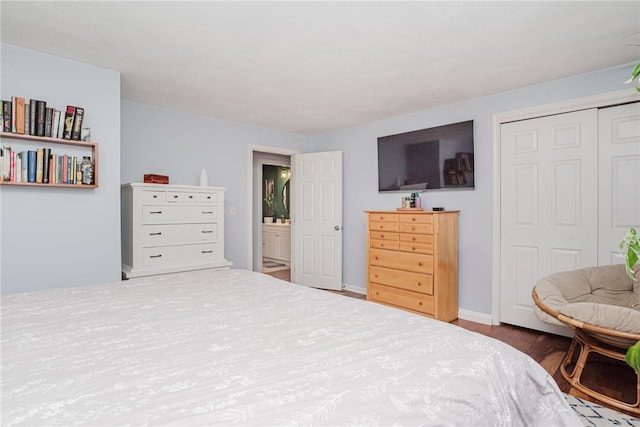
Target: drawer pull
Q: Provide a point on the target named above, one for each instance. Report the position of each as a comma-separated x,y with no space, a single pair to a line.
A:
419,264
413,219
377,293
207,231
413,248
208,197
382,236
175,196
207,252
413,229
155,256
155,196
413,238
420,303
155,234
419,283
382,245
377,258
191,197
155,212
207,212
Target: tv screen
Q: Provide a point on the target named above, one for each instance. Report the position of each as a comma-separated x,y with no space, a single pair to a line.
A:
437,158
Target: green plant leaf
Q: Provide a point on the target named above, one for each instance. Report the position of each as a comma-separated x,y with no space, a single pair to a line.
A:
633,357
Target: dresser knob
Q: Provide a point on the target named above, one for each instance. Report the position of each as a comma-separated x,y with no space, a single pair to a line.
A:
375,275
413,238
420,303
382,236
377,293
382,245
413,229
413,248
155,196
376,258
419,264
191,197
175,197
419,283
413,219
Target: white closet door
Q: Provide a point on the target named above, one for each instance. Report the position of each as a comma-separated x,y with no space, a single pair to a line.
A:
619,171
548,206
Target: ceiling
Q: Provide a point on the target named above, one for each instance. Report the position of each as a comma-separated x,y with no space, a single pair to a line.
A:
309,67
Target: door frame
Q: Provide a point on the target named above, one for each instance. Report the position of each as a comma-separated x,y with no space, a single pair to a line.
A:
252,220
596,101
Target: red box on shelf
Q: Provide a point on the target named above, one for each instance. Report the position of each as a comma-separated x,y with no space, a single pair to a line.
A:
156,179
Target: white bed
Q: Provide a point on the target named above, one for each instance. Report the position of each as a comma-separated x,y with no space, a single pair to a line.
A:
236,347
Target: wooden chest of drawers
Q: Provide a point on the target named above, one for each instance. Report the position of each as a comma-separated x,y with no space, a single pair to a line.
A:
412,261
169,228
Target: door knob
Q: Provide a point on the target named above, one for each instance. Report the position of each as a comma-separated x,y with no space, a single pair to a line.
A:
337,228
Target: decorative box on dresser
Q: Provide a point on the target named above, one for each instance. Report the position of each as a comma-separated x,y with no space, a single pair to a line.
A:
412,261
170,228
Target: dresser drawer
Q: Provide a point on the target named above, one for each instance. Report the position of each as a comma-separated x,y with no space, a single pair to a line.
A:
167,256
168,213
383,226
415,228
384,235
416,219
153,196
207,198
416,282
418,248
383,216
385,244
181,196
175,234
419,263
403,299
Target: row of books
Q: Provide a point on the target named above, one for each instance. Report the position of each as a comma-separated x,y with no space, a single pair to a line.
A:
39,166
34,117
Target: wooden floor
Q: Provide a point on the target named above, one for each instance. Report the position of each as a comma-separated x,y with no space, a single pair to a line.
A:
610,377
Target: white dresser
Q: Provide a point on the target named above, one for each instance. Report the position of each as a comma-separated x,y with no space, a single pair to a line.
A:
170,228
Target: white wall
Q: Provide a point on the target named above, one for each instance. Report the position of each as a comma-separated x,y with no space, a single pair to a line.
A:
359,146
52,237
157,140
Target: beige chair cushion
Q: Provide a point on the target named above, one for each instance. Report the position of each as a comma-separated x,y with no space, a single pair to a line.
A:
602,296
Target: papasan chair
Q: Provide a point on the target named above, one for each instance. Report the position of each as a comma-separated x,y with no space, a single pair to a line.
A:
602,306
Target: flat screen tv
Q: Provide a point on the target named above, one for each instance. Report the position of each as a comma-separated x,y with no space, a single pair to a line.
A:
437,158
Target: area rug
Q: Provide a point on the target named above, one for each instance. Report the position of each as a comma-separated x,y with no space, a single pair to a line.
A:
594,415
272,264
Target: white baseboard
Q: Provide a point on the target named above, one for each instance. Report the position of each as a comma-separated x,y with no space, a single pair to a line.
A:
474,316
352,288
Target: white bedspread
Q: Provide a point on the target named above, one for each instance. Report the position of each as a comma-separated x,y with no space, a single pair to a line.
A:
236,347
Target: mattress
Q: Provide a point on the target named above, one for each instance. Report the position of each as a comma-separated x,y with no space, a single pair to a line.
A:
235,347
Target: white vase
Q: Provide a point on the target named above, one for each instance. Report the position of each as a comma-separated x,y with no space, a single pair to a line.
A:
204,180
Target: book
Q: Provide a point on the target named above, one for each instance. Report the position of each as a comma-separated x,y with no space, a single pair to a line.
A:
45,165
39,166
68,121
13,114
19,118
17,168
27,118
6,162
76,130
6,116
31,168
56,124
41,112
32,119
48,120
24,173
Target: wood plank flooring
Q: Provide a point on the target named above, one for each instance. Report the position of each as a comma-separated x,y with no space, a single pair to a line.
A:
610,377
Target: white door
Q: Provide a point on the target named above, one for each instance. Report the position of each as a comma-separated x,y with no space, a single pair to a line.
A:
548,206
316,224
619,171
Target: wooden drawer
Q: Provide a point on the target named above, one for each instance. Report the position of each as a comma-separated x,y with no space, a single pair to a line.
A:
419,263
168,256
416,219
417,282
415,228
385,244
416,238
418,248
403,299
169,213
383,216
175,234
153,196
383,226
384,235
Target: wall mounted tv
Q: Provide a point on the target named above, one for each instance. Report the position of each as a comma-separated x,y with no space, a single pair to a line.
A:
437,158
